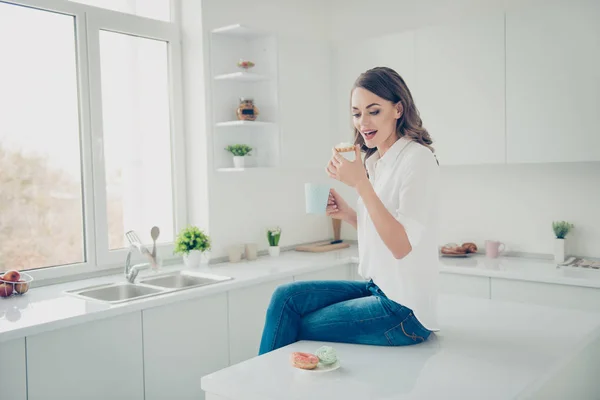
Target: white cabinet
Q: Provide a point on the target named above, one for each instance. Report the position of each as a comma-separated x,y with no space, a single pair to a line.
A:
354,275
305,74
465,285
13,383
553,82
182,342
341,272
547,294
247,310
460,89
96,360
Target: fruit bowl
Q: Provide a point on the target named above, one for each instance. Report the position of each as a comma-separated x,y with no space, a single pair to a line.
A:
14,283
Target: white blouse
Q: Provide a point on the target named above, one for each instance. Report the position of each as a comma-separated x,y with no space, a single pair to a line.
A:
406,179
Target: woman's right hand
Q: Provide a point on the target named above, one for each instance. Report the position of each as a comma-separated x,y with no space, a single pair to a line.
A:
338,208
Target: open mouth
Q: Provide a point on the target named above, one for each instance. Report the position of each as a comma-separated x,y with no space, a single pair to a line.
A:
369,134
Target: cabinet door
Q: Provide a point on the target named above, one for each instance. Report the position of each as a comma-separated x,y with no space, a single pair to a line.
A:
247,309
304,73
96,360
182,342
553,82
460,89
465,285
546,294
13,383
341,272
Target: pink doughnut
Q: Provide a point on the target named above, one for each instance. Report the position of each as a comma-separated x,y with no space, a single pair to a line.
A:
304,360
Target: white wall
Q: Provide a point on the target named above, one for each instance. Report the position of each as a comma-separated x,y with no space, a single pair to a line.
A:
512,203
242,205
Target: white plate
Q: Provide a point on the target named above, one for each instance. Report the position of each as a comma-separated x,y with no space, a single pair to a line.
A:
324,368
457,255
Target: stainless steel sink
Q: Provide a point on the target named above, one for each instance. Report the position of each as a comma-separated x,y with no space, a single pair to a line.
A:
182,280
117,292
149,286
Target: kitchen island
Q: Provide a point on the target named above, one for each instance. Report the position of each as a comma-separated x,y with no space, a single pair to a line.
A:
485,349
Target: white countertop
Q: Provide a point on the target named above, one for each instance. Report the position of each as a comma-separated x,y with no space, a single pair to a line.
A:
520,268
47,308
485,350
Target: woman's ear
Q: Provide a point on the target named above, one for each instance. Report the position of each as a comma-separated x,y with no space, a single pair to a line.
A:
399,110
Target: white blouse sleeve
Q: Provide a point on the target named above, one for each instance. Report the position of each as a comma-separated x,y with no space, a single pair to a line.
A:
418,186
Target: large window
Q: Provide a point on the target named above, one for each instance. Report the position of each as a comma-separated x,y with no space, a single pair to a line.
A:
87,133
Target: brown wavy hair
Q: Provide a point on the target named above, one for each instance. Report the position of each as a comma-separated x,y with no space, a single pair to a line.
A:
389,85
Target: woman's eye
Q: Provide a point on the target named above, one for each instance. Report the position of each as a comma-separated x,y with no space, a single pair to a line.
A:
356,115
374,112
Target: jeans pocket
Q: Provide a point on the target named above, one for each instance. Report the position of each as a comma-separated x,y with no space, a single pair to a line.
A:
407,332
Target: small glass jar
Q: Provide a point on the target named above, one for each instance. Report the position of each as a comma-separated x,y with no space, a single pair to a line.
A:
247,111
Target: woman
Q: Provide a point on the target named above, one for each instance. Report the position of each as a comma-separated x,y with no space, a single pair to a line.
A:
396,221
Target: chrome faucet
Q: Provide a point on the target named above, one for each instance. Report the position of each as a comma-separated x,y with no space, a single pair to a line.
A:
132,271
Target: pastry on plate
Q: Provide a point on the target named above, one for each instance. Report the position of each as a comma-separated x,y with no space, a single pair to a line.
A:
326,354
304,360
453,249
470,247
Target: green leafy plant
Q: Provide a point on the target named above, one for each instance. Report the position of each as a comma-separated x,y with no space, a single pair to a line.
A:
273,236
191,238
239,150
561,228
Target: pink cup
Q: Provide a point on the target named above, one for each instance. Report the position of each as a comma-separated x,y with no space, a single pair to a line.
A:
493,248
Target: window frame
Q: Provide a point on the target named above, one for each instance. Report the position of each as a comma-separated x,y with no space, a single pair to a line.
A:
88,22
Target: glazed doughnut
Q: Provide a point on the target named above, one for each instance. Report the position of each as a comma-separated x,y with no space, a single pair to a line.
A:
304,360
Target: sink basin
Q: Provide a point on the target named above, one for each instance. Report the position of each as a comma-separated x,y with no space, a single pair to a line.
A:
149,286
117,292
181,280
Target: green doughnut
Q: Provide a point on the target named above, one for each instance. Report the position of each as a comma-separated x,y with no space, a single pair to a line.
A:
326,355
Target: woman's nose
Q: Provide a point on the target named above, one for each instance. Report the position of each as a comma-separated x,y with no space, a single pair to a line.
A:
363,122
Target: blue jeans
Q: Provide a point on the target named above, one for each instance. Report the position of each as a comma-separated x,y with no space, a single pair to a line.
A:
338,311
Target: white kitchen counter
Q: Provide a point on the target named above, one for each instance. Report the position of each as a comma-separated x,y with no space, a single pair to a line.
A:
485,350
520,268
46,308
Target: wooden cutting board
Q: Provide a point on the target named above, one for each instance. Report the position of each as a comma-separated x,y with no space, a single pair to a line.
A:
320,247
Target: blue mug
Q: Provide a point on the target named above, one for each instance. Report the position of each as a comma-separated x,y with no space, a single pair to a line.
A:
317,195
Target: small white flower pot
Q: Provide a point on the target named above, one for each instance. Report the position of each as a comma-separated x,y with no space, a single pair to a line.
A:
274,251
559,250
192,259
238,161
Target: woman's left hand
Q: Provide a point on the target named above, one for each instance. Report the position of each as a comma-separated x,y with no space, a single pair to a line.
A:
349,172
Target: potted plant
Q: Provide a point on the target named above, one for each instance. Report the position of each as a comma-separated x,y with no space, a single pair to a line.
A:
239,151
192,243
561,229
273,236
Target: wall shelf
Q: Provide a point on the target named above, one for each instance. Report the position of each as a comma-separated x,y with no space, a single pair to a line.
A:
242,77
233,169
239,31
245,123
228,45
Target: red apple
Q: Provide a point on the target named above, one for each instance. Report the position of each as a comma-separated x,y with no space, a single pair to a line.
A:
21,287
11,276
6,289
